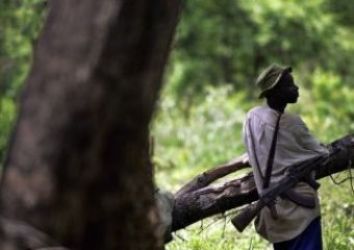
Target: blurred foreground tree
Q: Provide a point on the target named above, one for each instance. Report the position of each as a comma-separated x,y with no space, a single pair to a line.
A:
78,172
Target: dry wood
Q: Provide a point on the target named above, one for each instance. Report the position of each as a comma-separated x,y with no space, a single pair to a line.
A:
210,176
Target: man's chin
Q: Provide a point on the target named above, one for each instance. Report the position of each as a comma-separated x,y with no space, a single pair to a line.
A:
294,100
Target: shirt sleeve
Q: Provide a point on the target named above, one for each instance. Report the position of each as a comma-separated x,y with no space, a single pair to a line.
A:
253,133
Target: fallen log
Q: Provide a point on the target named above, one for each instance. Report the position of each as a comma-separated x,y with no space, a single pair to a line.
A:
197,200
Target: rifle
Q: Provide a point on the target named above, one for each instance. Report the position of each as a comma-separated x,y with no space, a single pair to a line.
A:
295,173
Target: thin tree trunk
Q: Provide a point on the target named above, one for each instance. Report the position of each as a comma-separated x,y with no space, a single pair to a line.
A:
78,172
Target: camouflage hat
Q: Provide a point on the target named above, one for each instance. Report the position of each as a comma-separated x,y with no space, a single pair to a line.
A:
270,77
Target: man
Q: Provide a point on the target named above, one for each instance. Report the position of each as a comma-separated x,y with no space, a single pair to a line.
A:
275,140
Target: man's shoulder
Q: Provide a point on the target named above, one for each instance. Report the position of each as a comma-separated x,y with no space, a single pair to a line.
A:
293,120
258,110
262,114
267,115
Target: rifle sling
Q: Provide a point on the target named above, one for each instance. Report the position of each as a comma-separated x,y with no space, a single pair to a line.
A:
270,160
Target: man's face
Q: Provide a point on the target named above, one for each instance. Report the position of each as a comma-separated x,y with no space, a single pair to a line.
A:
286,90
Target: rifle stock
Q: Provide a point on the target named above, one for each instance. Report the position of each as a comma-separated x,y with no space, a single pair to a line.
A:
247,214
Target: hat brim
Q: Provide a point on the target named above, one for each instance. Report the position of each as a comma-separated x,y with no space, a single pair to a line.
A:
285,70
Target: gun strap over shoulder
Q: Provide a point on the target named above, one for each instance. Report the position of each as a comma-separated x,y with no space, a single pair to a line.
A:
270,160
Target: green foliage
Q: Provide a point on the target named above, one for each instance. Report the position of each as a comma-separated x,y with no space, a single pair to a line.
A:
343,11
7,115
331,101
192,140
217,235
214,45
229,41
220,48
337,214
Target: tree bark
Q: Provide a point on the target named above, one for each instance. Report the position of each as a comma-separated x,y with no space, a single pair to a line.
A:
78,172
197,200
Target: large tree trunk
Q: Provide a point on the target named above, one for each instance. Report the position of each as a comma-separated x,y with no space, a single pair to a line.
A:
198,199
78,172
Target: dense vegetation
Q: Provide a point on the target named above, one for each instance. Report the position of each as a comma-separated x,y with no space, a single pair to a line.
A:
220,47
